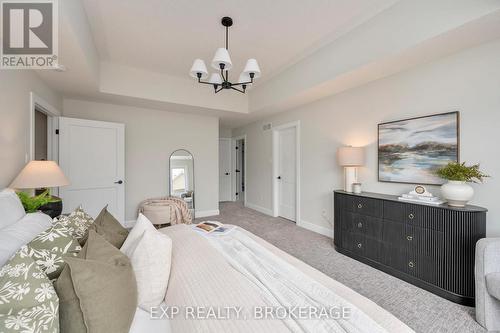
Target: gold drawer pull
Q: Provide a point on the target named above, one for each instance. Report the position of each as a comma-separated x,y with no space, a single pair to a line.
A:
360,225
411,264
360,206
409,238
359,245
411,216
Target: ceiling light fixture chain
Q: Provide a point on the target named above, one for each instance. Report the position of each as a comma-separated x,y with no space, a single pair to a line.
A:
222,62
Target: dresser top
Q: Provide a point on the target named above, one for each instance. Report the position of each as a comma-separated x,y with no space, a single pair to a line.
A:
380,196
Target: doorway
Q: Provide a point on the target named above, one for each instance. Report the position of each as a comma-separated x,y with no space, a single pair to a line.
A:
286,171
44,121
240,170
41,135
239,165
225,177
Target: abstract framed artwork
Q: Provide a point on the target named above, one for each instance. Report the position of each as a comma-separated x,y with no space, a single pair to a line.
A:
411,150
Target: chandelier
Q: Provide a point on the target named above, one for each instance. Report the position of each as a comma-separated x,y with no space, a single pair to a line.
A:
222,62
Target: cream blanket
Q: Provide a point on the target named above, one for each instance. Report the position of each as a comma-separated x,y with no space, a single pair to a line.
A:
179,211
202,276
286,287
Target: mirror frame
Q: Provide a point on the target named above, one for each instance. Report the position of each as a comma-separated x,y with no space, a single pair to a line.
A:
170,177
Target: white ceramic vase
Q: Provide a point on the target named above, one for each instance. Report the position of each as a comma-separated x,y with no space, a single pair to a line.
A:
457,193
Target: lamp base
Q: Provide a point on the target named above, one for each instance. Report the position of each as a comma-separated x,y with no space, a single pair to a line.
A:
52,209
350,177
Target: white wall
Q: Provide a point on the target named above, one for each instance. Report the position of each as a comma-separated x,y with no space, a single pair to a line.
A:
224,132
468,81
15,88
150,137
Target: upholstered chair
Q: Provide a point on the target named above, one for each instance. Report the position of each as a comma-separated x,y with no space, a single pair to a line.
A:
487,271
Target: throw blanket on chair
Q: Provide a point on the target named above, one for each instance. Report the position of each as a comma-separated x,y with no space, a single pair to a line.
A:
179,211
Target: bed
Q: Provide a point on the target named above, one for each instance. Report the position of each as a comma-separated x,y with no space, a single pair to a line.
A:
201,276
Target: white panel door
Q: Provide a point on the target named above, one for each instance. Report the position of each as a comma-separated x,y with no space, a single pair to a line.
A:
287,173
92,156
225,170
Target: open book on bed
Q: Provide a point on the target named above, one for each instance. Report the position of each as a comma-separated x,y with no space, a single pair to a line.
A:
211,226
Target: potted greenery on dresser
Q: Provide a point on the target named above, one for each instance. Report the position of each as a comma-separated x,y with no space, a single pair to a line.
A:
457,191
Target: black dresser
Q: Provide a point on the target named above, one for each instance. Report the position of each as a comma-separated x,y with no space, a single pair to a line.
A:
431,247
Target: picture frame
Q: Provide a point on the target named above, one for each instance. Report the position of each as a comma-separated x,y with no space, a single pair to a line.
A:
411,150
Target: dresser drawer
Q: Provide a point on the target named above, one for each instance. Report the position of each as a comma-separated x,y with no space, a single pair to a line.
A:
424,242
395,211
365,206
426,268
353,242
363,224
427,217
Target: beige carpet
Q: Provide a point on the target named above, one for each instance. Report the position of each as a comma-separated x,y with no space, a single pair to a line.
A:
419,309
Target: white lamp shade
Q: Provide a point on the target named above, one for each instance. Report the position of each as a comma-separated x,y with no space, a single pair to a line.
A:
199,67
215,78
244,77
252,67
351,156
40,174
222,57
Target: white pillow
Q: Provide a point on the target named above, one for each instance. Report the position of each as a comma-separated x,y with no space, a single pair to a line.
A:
21,233
150,253
11,209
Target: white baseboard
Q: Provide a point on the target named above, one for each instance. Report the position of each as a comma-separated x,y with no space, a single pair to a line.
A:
328,232
207,213
259,208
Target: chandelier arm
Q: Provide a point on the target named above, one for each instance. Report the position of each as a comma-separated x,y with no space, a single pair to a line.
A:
217,90
241,83
222,74
241,91
203,82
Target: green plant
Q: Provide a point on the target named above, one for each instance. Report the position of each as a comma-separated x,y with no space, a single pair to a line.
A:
31,204
461,172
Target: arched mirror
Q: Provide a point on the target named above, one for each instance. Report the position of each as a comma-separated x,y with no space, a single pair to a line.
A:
182,177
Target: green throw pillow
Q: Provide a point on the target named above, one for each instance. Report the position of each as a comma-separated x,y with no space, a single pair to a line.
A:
108,227
97,290
28,301
49,248
77,223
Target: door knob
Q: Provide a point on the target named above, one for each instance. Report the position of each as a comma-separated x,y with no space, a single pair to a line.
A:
119,182
227,173
279,177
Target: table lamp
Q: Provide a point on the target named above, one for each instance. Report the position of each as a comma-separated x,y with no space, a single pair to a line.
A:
350,158
42,174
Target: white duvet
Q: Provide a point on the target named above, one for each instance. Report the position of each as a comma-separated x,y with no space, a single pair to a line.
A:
250,273
290,290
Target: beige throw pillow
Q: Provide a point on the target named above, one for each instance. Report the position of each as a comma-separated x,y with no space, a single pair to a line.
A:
108,227
97,291
150,253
